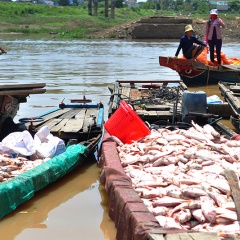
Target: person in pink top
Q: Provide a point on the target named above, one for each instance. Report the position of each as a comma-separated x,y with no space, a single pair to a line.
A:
213,35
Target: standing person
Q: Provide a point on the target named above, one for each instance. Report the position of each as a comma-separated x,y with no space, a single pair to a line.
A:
190,45
213,35
2,50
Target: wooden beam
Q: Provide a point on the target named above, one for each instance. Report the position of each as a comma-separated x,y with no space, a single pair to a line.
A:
149,81
22,86
235,190
24,92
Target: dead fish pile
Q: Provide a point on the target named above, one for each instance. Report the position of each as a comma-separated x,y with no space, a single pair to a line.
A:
11,167
179,176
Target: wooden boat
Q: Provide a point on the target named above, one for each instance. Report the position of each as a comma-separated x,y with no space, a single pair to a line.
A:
132,218
160,101
231,93
148,98
79,125
127,207
194,72
77,122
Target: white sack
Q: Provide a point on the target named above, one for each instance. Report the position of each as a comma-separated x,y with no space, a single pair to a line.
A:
19,143
47,145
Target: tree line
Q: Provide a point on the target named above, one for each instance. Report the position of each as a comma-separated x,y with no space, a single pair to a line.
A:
191,6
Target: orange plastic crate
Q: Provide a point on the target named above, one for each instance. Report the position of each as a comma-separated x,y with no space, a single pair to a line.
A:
126,124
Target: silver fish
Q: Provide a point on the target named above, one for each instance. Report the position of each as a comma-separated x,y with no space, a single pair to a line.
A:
193,192
208,209
197,213
168,222
183,216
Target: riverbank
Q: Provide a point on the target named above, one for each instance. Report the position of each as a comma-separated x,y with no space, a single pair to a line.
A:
72,22
75,23
231,31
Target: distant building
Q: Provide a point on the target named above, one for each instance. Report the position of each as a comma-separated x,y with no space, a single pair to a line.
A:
49,2
220,5
131,3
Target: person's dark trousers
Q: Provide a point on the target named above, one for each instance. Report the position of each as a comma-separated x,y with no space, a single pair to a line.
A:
218,44
188,54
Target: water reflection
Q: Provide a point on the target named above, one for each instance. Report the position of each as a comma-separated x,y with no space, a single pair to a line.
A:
75,198
76,207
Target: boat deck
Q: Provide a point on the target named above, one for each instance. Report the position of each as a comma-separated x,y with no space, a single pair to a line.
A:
149,99
131,216
71,122
231,93
158,100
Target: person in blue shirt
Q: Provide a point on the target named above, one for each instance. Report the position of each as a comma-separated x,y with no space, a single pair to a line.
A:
190,45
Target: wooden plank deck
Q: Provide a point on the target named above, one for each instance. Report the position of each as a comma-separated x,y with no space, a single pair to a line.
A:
22,89
90,115
231,95
148,98
22,86
48,118
69,122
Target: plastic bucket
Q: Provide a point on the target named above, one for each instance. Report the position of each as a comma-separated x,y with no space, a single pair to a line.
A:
194,102
126,125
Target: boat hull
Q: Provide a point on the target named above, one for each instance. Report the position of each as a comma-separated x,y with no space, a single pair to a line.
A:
210,77
81,128
193,72
23,187
126,199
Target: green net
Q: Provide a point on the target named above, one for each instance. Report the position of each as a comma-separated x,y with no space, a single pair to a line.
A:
22,187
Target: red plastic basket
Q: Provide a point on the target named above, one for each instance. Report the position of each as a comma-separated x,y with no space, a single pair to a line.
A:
126,124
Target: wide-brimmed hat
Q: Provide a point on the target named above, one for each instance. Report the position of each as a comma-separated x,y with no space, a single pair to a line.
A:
188,28
214,12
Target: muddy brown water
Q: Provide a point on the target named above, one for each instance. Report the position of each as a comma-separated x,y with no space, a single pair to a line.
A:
76,206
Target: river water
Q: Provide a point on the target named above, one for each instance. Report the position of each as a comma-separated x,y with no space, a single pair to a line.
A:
76,206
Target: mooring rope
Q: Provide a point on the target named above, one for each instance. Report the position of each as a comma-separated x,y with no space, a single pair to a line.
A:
208,74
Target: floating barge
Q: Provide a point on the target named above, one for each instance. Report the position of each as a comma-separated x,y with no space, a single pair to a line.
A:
148,98
160,100
132,218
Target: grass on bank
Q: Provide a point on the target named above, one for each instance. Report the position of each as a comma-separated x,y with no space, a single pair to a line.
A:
67,21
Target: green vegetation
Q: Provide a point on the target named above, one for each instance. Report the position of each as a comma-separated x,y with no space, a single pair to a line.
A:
75,22
68,21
